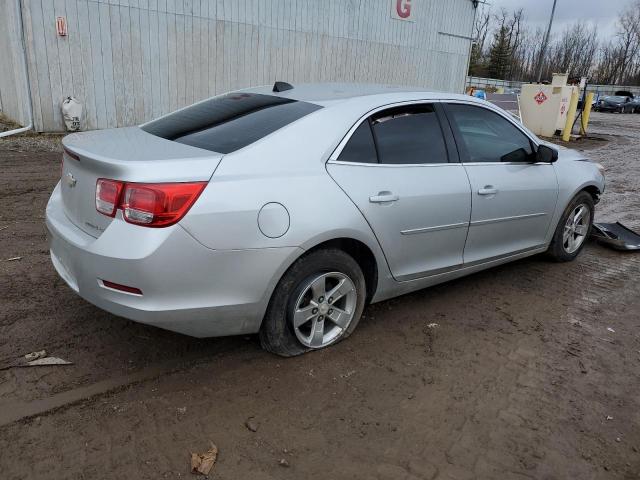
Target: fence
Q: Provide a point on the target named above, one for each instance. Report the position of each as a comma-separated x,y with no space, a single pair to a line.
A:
483,83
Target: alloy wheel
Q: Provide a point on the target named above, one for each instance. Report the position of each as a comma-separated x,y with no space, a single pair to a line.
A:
324,309
576,228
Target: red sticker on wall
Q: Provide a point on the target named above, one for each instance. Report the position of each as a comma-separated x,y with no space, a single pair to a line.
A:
540,98
61,26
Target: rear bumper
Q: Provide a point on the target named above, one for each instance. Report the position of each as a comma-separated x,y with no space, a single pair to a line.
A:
186,287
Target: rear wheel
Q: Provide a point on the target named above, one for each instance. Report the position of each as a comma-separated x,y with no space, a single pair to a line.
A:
573,229
317,303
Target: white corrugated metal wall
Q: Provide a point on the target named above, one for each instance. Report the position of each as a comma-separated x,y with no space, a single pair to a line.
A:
13,82
131,60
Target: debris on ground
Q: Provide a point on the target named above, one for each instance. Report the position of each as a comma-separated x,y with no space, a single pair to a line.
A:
13,259
283,463
48,361
609,329
35,355
36,359
202,463
609,417
182,410
616,236
251,424
433,325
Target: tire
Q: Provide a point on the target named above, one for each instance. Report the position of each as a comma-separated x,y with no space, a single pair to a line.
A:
278,334
561,248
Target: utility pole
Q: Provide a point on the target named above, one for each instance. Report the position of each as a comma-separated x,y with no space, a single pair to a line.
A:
543,50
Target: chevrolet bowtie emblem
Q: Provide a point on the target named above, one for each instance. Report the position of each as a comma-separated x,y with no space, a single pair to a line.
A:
71,180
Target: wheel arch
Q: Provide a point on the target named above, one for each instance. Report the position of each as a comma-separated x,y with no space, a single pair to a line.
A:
592,190
360,252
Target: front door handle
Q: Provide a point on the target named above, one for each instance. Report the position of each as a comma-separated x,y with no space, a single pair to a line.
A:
384,197
488,190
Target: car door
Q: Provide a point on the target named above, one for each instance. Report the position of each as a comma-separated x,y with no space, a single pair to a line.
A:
513,196
395,166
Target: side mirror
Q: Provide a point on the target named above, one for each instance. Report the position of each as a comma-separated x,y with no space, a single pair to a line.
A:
546,154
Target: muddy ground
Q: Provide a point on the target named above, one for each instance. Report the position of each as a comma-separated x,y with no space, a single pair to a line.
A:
531,371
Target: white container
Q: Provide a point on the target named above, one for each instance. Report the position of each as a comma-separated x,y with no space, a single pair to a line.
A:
544,107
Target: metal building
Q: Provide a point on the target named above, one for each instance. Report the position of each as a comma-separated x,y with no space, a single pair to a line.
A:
128,61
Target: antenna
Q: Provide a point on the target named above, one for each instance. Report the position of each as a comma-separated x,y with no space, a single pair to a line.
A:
282,86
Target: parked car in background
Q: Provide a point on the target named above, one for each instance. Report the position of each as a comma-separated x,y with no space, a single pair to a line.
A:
621,102
285,211
615,103
635,105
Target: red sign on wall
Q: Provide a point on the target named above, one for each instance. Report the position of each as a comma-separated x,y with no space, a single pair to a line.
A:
540,98
61,26
402,10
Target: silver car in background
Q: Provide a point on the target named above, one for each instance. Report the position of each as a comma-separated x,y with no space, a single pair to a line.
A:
283,211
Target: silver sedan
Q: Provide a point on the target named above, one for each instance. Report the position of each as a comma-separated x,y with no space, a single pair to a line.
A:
283,211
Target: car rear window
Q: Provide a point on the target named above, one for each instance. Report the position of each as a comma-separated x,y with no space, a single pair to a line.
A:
230,122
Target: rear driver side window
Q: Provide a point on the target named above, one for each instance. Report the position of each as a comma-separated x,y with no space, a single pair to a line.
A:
360,148
409,135
401,135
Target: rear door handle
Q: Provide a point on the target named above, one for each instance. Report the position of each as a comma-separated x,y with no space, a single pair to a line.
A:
488,190
383,197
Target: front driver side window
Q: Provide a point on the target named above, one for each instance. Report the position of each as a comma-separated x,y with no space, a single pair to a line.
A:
488,137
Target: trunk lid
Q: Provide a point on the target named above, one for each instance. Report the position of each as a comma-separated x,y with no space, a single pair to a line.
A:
127,154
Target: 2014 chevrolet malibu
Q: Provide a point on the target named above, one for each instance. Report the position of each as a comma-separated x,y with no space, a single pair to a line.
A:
284,211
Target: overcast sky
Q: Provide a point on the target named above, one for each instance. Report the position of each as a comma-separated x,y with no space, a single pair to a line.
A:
537,12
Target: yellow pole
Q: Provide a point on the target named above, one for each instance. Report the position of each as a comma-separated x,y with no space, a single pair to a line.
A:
571,116
586,113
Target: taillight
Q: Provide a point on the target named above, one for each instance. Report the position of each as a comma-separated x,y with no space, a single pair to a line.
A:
148,204
108,196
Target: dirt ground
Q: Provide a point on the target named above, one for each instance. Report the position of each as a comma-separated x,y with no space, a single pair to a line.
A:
529,370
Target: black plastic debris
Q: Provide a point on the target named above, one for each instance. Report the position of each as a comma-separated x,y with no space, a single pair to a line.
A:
616,235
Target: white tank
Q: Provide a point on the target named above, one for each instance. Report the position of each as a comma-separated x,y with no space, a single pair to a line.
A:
544,107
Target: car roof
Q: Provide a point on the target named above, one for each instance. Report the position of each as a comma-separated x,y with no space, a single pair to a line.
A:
326,94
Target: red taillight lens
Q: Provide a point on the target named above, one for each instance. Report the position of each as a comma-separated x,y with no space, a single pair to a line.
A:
148,204
108,196
159,204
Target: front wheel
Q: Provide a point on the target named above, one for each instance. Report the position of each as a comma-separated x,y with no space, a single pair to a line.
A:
317,303
573,229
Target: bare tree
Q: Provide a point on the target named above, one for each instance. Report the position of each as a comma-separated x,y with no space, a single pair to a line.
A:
480,31
628,39
514,50
575,51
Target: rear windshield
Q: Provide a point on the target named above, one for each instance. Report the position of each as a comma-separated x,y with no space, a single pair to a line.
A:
230,122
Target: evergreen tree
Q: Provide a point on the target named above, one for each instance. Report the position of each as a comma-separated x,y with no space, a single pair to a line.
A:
477,65
500,54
